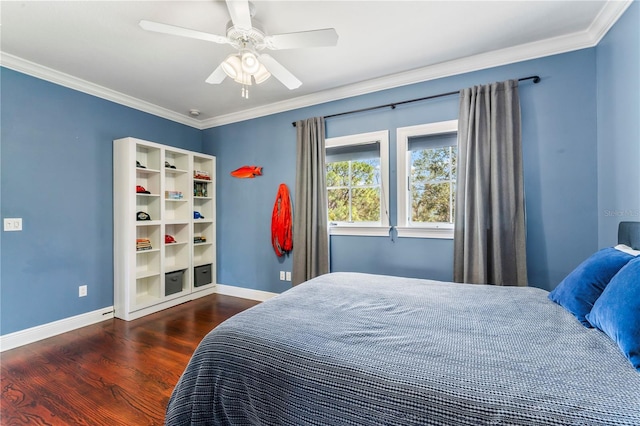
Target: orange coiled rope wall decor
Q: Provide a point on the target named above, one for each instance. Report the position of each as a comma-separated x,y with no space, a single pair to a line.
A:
281,222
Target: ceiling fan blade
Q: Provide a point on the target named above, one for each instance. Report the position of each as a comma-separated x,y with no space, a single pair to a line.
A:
240,14
216,76
314,38
280,72
182,32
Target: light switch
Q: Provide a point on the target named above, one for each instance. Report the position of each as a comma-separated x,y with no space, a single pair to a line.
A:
13,224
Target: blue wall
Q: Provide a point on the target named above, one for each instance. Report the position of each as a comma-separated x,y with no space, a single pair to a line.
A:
581,151
56,159
245,255
618,76
560,163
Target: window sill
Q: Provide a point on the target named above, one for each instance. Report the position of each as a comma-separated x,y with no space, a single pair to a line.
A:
415,232
369,231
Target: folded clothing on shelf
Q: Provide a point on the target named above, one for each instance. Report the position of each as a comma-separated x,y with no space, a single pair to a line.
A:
143,244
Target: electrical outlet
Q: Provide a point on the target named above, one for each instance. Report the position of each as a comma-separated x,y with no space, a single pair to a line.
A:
281,275
82,291
288,275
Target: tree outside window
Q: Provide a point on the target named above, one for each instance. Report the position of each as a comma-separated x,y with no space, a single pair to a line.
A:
432,183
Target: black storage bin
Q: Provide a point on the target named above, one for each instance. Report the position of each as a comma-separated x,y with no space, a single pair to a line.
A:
173,282
202,275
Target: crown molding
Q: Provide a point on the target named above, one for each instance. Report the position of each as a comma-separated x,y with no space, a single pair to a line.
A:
607,17
48,74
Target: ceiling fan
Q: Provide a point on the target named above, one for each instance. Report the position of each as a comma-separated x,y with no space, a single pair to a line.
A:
246,35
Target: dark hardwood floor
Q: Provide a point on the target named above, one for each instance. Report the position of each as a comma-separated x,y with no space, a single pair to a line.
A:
111,373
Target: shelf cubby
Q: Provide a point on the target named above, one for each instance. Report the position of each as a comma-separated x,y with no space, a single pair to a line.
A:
204,206
202,254
148,157
179,161
176,257
204,230
177,210
179,231
205,165
148,290
147,263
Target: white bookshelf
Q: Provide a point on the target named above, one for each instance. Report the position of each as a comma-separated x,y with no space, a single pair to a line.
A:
147,278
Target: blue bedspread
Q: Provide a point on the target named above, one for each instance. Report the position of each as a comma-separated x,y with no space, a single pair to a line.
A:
359,349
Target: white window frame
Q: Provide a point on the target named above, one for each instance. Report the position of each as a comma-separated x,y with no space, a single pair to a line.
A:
367,228
403,134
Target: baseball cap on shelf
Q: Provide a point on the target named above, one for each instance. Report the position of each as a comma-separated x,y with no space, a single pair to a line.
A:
168,239
140,190
143,216
197,215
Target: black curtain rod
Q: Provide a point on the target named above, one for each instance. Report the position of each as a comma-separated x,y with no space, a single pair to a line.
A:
535,78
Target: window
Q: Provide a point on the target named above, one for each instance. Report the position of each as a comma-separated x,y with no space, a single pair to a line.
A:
357,181
427,157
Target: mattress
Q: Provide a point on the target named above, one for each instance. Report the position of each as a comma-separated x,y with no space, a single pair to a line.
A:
361,349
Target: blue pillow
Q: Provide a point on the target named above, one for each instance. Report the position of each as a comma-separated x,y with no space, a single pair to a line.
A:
581,288
617,311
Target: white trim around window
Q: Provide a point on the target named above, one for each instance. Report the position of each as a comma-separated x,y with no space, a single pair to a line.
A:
367,228
359,230
403,134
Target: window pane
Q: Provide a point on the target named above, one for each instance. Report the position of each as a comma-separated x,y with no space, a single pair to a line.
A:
430,202
365,204
338,174
338,200
430,165
365,172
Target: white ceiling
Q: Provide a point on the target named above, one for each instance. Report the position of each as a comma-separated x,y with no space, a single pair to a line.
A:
98,47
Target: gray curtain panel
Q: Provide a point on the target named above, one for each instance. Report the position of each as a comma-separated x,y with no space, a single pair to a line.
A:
489,236
310,227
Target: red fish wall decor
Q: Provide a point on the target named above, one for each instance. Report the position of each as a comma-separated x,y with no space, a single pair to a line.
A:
245,172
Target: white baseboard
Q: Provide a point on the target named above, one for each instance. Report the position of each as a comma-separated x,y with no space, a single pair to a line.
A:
244,293
40,332
30,335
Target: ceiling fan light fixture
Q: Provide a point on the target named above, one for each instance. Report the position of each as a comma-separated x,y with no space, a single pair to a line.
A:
232,66
243,78
250,63
261,75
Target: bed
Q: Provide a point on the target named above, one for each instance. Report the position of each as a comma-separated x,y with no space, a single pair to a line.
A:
361,349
